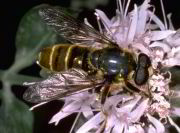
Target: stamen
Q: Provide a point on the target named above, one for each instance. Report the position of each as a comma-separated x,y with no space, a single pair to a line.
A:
106,27
126,9
37,105
74,123
171,27
150,18
99,23
164,14
119,6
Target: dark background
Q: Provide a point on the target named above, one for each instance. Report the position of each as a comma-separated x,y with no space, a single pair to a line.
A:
12,12
10,16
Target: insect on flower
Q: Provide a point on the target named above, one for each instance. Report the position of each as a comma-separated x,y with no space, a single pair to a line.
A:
98,71
91,61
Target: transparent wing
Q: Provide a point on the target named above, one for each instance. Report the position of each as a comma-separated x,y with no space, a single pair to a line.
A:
60,85
73,30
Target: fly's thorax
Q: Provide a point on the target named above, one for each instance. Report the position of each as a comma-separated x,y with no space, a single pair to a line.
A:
113,62
142,71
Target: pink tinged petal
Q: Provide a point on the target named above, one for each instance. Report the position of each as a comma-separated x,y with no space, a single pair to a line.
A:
176,50
142,18
171,27
171,62
174,40
159,35
66,111
151,129
116,99
128,106
176,111
126,129
112,100
107,23
87,23
157,124
111,121
152,27
83,96
87,111
139,111
133,25
164,46
116,20
101,128
141,47
136,129
92,123
118,128
156,20
67,101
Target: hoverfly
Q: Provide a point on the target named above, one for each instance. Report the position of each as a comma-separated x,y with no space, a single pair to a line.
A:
91,61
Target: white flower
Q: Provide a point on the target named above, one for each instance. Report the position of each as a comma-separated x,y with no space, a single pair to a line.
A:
138,113
81,102
115,117
134,31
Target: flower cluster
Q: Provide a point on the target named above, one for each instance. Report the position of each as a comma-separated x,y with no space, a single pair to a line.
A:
140,31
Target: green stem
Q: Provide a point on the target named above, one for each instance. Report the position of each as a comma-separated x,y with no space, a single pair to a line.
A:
7,94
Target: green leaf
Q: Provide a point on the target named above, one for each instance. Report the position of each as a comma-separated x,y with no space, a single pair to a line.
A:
15,117
32,35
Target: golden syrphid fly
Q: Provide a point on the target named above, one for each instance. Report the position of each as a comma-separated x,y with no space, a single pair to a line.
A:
91,61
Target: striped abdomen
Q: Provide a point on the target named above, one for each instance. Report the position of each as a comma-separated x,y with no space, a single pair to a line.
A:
62,57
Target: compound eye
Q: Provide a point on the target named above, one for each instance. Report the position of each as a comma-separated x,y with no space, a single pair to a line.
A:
142,73
144,61
141,76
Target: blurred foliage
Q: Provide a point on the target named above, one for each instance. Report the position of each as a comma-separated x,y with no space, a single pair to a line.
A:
32,35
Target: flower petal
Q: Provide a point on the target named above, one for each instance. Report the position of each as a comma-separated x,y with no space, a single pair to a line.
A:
164,46
159,35
141,47
156,20
139,111
171,62
174,40
118,128
66,111
87,111
132,28
142,18
91,123
107,23
157,124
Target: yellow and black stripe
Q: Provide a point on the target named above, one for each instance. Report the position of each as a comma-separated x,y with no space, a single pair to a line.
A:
62,57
